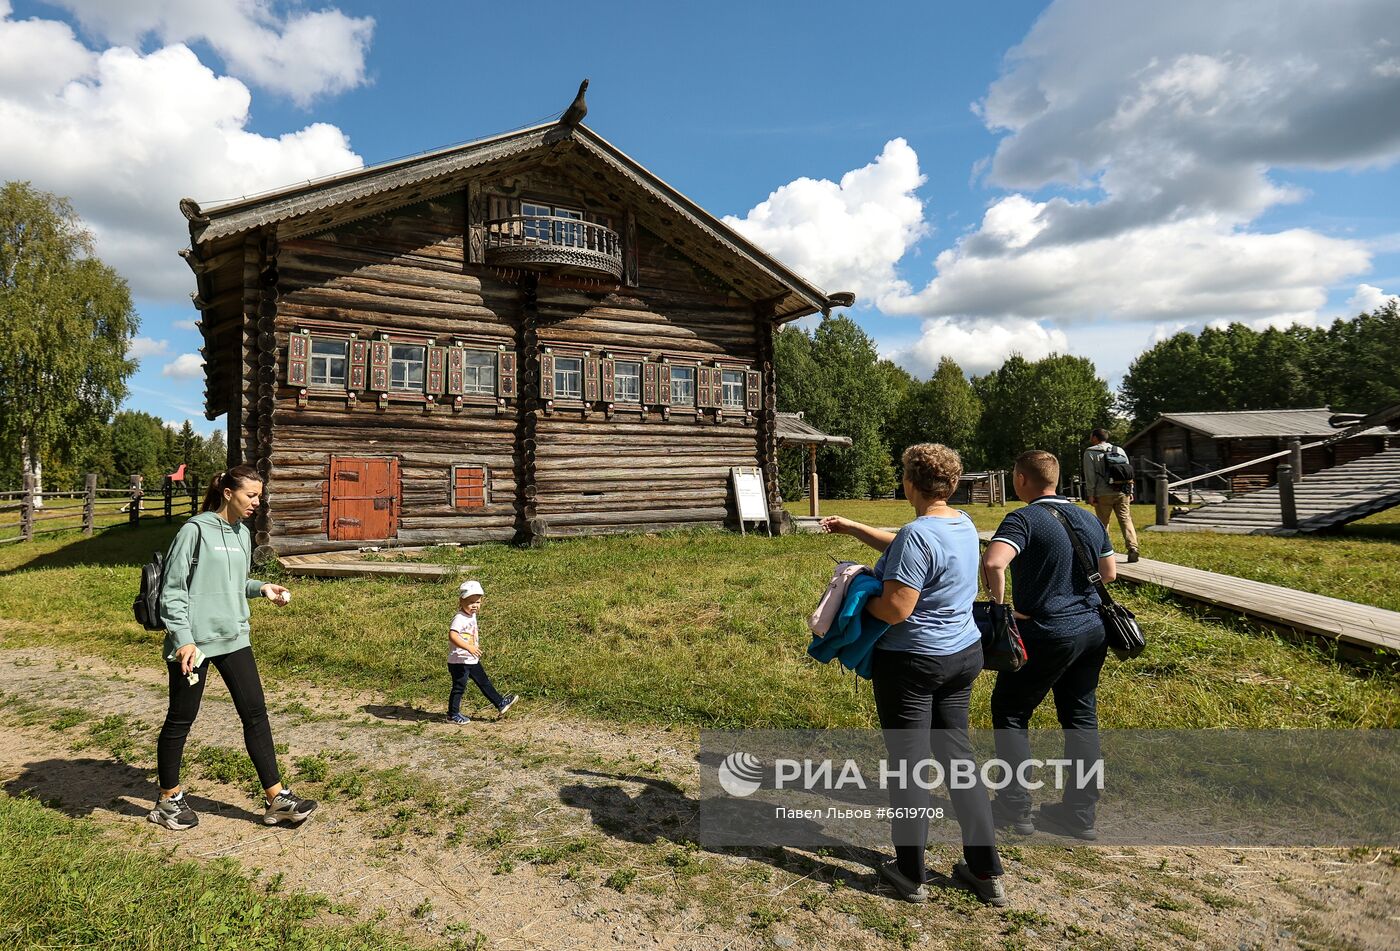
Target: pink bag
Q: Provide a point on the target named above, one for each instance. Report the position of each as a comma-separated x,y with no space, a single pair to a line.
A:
846,571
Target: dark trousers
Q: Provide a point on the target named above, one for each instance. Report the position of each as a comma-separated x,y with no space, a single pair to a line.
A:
1064,659
240,673
930,694
477,673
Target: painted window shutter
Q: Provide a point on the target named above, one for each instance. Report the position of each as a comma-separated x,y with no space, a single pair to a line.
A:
663,384
359,364
546,376
717,388
505,375
298,355
499,207
437,359
702,387
456,370
649,383
590,379
608,371
379,365
753,390
476,225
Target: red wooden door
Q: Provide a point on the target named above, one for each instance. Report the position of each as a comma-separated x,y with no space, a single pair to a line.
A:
364,499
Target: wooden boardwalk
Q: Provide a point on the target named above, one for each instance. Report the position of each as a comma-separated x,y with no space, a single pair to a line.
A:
353,564
1360,629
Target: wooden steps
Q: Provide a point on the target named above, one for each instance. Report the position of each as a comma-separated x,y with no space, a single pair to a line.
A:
354,564
1324,500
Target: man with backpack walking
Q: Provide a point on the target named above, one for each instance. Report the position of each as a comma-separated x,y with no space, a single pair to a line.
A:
1108,485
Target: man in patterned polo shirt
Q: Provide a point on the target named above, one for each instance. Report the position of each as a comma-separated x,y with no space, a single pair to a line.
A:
1057,612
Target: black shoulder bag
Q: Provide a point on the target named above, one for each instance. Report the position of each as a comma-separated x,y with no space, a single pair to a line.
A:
146,607
1002,647
1120,626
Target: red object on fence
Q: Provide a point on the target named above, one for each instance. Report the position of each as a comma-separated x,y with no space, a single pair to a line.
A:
178,475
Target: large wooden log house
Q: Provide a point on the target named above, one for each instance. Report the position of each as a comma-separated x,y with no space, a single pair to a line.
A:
526,336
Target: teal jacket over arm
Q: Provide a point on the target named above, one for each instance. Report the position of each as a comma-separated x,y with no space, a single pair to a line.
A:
853,634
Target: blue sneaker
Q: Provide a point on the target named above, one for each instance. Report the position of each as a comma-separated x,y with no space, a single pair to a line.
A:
458,718
507,703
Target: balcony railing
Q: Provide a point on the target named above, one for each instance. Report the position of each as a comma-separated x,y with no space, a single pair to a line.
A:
552,240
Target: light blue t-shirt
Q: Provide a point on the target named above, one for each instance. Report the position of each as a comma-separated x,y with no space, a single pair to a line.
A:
939,558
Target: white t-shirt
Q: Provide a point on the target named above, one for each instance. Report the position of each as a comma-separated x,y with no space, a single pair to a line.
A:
465,625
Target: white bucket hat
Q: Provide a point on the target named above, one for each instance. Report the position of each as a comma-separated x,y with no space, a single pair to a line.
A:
470,588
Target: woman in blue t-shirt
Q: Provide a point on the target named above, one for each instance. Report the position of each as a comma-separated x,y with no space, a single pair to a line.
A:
924,667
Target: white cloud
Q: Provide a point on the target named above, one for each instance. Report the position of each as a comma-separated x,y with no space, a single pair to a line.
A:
845,236
185,325
301,54
979,346
125,135
187,366
1366,299
143,347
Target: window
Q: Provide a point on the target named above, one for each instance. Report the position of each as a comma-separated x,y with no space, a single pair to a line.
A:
733,389
328,362
682,386
627,381
555,232
479,373
405,367
568,378
469,487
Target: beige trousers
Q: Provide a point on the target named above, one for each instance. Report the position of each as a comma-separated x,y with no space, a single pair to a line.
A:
1116,503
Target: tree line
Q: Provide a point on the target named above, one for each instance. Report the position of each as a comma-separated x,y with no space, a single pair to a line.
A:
835,377
1352,366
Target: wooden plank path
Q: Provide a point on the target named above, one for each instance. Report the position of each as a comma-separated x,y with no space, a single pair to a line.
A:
1361,628
353,564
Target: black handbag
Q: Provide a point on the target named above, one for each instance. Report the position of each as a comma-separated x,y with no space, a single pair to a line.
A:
1002,647
1120,626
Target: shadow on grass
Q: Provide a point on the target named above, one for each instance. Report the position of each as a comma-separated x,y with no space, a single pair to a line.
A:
81,787
401,713
662,812
111,547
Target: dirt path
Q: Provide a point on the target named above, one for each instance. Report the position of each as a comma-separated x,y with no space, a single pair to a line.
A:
542,831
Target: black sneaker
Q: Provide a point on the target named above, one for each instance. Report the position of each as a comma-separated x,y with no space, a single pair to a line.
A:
913,892
507,703
1019,823
990,889
174,813
288,807
1053,819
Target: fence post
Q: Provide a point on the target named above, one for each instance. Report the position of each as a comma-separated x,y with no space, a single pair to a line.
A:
1287,503
1164,505
168,490
194,495
89,501
1295,457
134,509
26,509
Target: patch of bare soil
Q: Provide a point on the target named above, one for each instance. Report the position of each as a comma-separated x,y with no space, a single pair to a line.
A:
543,831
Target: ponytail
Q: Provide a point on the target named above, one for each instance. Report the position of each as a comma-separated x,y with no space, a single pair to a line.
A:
228,479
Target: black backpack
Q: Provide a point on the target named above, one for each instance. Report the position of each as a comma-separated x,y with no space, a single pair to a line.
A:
146,607
1117,467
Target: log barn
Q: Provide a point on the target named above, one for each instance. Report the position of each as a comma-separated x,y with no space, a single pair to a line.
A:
524,337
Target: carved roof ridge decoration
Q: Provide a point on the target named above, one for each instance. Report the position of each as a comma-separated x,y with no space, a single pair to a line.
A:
229,219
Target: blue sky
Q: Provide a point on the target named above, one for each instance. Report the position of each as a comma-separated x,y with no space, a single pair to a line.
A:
989,178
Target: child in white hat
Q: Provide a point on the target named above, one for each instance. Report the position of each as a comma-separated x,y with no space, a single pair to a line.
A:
464,656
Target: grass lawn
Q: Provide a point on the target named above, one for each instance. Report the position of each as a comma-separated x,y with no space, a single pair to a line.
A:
1361,563
698,629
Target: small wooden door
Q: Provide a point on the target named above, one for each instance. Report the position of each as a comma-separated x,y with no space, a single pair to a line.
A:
364,499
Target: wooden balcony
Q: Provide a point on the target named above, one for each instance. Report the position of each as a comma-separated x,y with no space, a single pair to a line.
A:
554,243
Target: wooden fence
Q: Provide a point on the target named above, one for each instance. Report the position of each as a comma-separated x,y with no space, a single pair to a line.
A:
92,507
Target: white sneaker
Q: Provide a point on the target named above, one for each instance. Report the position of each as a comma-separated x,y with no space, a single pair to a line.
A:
988,889
174,813
288,807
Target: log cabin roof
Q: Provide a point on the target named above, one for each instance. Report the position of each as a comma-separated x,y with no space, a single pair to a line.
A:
218,230
1247,424
794,430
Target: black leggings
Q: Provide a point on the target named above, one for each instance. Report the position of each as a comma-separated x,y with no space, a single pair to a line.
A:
240,673
477,673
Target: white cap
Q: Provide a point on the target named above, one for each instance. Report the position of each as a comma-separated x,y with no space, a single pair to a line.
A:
470,588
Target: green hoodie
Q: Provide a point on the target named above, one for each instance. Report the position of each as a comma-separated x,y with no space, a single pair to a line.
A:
212,610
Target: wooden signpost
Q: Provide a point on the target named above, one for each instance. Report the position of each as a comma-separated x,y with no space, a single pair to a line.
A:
749,495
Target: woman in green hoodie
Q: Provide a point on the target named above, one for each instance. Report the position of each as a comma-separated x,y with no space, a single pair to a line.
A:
204,604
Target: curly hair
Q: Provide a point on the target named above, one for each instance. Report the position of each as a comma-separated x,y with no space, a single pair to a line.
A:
933,469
